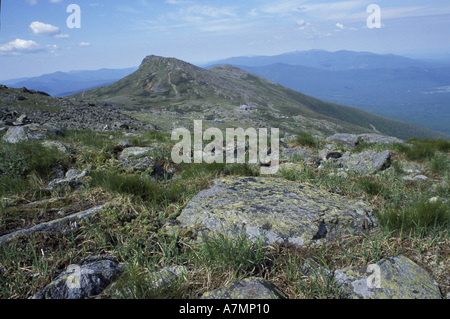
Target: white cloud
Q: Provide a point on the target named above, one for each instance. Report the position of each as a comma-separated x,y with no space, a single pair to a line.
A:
41,28
19,46
302,24
84,44
340,26
62,36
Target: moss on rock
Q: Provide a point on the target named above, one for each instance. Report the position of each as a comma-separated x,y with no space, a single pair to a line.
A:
276,210
390,278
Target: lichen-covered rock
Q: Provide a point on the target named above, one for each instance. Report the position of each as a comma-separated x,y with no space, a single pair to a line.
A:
368,162
377,138
347,139
17,134
275,210
138,159
390,278
248,288
56,145
80,282
73,179
297,155
353,139
410,168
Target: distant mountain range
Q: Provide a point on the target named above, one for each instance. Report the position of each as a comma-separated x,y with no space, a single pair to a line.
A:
333,61
172,93
67,83
396,87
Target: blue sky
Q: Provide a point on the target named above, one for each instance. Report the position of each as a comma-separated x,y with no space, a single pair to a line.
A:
35,38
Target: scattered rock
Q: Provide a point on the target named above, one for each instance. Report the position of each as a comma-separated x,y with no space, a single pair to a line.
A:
347,139
248,288
276,210
298,155
31,132
390,278
410,168
246,107
327,154
73,179
420,178
21,120
15,135
52,225
352,139
124,143
441,186
377,138
56,145
138,159
81,282
368,162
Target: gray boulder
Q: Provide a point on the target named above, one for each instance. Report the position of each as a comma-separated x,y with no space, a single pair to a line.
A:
248,288
17,134
81,282
56,145
73,179
275,210
298,155
368,162
347,139
377,138
353,139
410,168
138,159
390,278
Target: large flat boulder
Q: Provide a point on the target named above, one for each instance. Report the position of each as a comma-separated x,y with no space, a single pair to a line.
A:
275,210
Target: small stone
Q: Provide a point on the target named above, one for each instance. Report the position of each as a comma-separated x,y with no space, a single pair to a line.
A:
80,282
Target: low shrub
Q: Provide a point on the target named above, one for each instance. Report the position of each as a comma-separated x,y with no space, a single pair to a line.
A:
306,139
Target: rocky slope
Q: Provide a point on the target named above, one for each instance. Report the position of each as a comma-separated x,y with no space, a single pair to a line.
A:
22,106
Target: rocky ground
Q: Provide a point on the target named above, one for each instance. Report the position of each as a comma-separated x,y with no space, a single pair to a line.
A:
115,218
